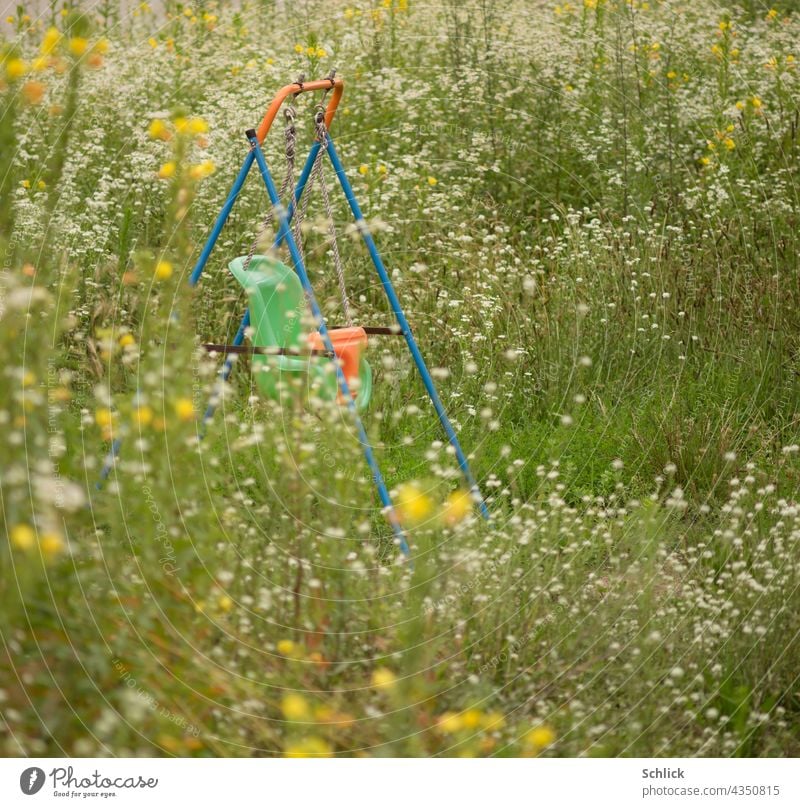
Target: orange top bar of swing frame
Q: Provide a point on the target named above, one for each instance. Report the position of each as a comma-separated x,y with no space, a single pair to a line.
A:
335,84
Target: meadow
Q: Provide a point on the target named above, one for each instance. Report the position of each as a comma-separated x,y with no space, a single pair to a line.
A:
590,214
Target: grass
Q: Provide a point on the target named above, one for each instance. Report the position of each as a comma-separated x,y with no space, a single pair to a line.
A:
590,215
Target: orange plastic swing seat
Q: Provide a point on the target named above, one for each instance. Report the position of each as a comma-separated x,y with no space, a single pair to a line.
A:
348,345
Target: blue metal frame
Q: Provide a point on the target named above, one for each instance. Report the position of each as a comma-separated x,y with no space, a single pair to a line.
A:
284,218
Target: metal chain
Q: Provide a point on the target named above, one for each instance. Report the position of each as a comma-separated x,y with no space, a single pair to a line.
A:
322,137
290,134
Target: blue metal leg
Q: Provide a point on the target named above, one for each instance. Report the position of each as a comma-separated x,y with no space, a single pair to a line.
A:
405,327
221,219
286,234
108,463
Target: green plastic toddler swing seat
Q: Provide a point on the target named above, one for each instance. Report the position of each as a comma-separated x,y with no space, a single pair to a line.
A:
277,303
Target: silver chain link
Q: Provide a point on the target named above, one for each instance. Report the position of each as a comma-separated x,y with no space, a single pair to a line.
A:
290,135
322,136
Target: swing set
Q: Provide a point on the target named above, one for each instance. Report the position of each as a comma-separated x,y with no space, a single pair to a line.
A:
278,294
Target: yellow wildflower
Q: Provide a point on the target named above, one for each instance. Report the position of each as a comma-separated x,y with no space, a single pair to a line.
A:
729,143
143,415
458,506
197,126
433,181
163,270
298,48
184,409
51,544
295,707
167,171
540,737
158,130
152,42
286,647
16,68
383,678
103,418
78,45
450,723
225,603
22,536
308,747
413,504
202,170
756,102
50,42
472,718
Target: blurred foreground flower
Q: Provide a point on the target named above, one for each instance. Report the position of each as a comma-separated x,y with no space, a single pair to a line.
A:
295,707
22,537
308,747
383,679
184,409
413,504
457,507
539,738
